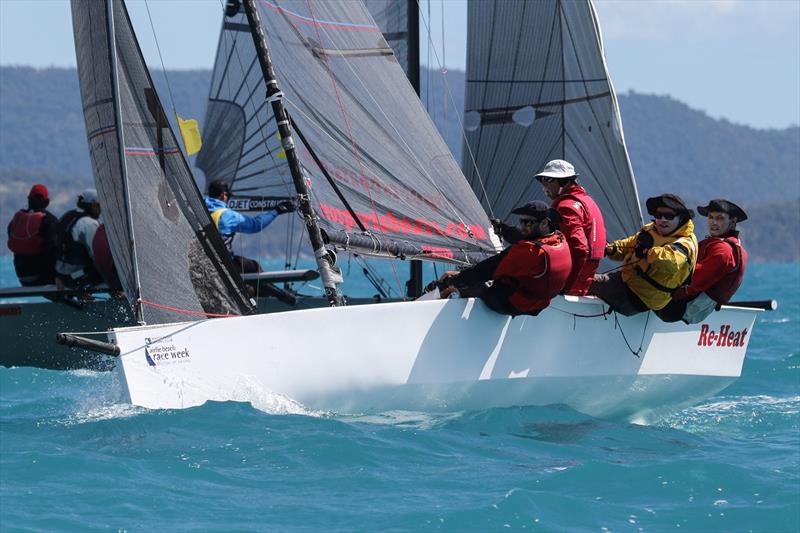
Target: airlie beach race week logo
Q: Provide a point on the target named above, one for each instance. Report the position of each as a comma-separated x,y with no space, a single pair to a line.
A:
725,337
162,351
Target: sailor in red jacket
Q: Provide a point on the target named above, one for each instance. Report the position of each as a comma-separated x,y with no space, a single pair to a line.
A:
33,239
721,263
581,223
526,275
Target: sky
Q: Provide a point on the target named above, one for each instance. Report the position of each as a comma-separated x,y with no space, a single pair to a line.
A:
733,59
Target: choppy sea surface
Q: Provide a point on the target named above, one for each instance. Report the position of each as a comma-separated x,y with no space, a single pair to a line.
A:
74,457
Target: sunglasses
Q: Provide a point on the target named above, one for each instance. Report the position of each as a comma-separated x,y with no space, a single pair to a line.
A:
665,216
526,221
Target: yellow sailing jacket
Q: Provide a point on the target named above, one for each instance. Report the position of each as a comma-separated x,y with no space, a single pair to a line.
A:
669,263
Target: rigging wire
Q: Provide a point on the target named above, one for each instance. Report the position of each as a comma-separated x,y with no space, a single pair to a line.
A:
445,122
160,57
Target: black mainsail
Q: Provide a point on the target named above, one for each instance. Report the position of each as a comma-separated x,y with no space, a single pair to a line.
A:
538,89
170,258
392,187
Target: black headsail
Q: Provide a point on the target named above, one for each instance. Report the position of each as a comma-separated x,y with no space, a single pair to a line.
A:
538,89
171,261
346,92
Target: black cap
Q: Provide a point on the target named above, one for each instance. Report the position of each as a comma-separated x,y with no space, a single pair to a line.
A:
217,187
670,201
723,206
538,210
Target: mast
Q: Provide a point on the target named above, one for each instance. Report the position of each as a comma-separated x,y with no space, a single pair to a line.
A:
329,274
414,283
112,48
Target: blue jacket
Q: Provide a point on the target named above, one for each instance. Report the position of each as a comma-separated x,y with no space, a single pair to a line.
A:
231,222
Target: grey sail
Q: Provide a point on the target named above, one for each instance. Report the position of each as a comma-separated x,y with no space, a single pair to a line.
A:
538,89
387,167
172,263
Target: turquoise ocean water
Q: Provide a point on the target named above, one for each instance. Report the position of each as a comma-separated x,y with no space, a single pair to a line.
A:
74,457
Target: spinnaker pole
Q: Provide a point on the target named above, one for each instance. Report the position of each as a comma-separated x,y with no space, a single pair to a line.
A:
331,278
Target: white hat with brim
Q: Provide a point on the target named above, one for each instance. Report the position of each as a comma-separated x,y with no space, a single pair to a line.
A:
89,196
558,169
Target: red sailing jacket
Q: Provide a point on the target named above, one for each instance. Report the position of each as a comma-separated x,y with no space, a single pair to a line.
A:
537,270
719,271
585,231
24,233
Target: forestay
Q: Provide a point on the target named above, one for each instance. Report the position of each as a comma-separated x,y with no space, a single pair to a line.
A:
171,260
357,111
538,89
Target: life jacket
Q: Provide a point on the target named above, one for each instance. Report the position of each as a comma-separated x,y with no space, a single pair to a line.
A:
655,282
24,235
71,251
537,270
723,290
594,226
227,239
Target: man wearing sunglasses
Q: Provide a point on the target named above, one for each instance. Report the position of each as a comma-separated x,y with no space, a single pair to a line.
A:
526,275
721,262
581,223
655,262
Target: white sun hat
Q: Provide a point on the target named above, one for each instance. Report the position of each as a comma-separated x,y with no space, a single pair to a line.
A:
557,168
89,196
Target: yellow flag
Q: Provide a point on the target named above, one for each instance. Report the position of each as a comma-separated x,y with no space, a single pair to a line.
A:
281,153
191,134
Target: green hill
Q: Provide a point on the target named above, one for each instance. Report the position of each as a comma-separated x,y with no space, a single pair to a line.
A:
672,148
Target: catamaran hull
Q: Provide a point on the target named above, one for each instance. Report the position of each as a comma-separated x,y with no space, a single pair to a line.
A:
445,355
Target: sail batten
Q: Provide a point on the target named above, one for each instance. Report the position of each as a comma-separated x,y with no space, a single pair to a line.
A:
538,89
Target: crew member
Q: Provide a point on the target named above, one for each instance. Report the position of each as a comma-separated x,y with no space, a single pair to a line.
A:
721,262
33,239
77,229
526,275
230,222
656,261
581,223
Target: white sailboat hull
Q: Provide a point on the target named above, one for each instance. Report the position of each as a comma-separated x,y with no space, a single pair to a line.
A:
441,355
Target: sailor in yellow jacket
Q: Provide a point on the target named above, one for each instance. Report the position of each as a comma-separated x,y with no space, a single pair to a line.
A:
656,261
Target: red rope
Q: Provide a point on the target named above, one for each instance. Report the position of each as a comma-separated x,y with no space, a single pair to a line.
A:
183,311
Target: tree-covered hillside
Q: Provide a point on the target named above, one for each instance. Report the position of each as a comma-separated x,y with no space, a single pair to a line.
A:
672,148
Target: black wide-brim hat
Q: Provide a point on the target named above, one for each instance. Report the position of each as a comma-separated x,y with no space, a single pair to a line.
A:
723,206
670,201
538,210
